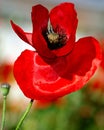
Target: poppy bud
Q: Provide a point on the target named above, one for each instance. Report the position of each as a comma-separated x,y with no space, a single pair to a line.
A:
4,88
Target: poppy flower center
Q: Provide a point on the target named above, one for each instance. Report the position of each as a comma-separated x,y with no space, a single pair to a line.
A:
55,39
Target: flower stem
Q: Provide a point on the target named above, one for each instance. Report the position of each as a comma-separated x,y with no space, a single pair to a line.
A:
3,114
24,115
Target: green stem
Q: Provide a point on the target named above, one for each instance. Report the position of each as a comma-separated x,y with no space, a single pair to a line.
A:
24,115
3,114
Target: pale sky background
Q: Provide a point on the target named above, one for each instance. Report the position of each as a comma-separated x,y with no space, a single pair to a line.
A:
90,16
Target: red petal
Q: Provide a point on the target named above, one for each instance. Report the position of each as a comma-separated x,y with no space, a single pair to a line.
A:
86,54
29,38
40,17
64,16
39,80
23,35
102,46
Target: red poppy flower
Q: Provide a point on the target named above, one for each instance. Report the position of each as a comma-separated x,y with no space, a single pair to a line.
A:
59,65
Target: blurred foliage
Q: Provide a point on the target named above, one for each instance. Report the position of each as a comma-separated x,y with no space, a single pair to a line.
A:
80,110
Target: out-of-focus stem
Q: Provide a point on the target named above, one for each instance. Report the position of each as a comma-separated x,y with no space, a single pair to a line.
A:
24,115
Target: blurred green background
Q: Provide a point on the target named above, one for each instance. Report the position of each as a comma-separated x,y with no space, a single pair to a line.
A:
81,110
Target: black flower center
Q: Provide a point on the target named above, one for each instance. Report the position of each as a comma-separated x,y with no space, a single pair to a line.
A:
55,39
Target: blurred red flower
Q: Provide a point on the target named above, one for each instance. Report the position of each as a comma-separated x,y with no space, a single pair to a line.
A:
6,70
40,104
59,65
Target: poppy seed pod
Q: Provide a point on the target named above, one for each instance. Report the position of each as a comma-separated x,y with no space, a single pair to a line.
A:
4,88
